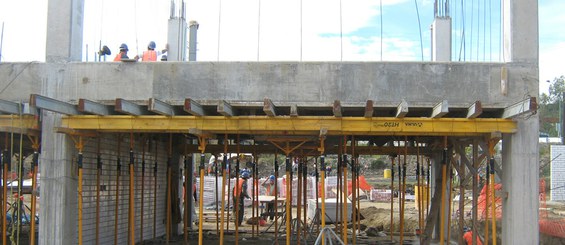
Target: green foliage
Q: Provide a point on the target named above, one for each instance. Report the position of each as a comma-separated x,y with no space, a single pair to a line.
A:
549,109
377,164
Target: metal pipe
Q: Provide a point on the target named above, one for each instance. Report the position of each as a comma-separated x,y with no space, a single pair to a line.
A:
449,208
235,198
493,205
345,195
186,198
392,158
155,192
288,199
443,186
34,168
299,200
230,195
6,162
216,198
201,198
461,200
142,187
169,176
116,208
316,189
419,190
256,196
223,205
131,195
353,189
323,192
253,188
475,190
276,199
98,171
487,197
403,200
305,196
79,163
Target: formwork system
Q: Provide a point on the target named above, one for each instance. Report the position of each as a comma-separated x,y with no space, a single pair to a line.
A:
143,141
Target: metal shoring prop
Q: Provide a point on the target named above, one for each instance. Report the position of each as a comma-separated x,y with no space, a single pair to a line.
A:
400,193
353,190
155,191
487,197
132,194
20,181
169,176
461,199
344,191
299,199
449,207
392,158
116,208
424,192
216,195
288,198
419,191
256,180
34,169
229,170
253,189
316,189
276,199
142,185
475,197
305,196
321,149
223,205
79,145
202,147
98,171
338,189
492,144
357,174
187,159
443,186
403,201
236,190
5,161
428,186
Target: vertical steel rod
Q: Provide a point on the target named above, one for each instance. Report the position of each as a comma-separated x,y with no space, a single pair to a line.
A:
80,196
131,194
288,199
116,208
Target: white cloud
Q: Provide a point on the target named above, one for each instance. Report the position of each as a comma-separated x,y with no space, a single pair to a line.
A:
551,64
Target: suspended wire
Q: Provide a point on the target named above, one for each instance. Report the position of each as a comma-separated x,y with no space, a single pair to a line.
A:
501,50
219,29
454,35
462,45
478,27
490,29
258,29
420,27
471,34
300,30
484,31
381,13
340,32
135,24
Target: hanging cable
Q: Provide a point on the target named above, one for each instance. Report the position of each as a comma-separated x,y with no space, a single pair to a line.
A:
301,32
381,14
340,32
219,29
420,28
135,24
471,34
501,36
490,29
484,31
258,29
478,27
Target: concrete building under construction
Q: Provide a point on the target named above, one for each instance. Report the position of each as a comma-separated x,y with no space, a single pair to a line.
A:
109,160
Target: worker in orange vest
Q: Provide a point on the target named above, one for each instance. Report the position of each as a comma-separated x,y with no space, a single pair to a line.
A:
151,54
468,236
269,185
239,195
123,54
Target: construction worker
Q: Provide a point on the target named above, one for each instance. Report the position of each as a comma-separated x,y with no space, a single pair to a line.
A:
468,236
151,54
239,195
269,184
123,54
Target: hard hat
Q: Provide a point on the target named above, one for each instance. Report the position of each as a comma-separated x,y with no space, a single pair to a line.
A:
124,47
245,175
151,45
163,58
272,177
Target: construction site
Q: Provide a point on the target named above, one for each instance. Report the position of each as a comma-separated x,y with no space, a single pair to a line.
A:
150,152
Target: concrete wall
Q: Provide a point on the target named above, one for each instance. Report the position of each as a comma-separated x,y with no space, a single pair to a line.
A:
323,82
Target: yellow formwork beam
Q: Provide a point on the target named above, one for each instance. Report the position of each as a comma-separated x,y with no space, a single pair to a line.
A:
306,125
15,123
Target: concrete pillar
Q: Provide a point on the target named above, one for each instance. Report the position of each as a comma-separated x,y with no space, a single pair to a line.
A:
192,40
520,180
59,185
441,39
520,27
64,30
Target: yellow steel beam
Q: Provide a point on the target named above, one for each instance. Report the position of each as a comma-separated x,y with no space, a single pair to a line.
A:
305,125
14,123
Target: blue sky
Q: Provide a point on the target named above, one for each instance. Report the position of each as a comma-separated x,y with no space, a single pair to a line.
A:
290,30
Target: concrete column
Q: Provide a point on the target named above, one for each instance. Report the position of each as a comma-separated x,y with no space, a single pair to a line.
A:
59,185
520,27
64,30
192,40
520,180
441,39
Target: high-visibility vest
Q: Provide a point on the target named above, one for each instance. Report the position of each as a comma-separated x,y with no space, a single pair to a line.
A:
238,188
149,55
271,190
120,55
468,236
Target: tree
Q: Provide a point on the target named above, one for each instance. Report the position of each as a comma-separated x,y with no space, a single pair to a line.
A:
549,109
